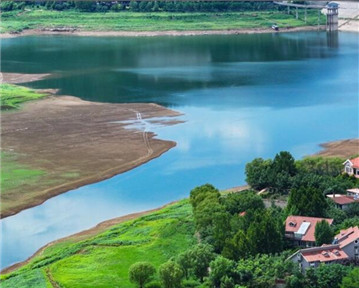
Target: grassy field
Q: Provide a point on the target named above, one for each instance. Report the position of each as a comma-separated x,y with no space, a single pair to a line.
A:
11,96
157,21
14,174
103,260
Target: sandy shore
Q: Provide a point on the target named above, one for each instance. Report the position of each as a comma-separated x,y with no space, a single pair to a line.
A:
159,33
341,148
75,143
15,78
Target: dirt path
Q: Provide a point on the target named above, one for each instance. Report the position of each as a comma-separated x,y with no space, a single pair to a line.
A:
75,143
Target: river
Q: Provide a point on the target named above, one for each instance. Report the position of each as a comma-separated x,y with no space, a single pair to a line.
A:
242,96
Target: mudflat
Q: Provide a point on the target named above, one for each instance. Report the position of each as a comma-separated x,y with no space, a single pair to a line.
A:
75,142
342,148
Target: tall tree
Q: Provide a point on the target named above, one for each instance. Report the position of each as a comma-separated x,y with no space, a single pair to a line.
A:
307,201
323,233
202,255
258,173
284,162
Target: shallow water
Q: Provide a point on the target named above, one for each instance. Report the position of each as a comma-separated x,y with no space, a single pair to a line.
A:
243,96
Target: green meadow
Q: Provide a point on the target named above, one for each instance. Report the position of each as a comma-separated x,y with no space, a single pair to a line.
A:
12,96
14,21
103,260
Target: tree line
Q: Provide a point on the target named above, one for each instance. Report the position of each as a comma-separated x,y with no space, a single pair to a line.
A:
142,6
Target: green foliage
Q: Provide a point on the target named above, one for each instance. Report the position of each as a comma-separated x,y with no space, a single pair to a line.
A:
330,275
351,280
323,233
352,210
184,260
141,273
129,19
307,201
222,270
321,166
258,173
284,163
243,201
171,274
15,174
263,270
103,260
11,96
202,255
349,222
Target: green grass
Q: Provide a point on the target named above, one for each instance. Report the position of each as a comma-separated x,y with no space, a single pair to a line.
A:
103,260
14,174
156,21
11,96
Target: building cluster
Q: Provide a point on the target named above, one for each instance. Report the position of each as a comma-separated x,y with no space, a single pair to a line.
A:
344,248
301,231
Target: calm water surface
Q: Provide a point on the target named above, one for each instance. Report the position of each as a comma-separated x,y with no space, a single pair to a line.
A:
242,96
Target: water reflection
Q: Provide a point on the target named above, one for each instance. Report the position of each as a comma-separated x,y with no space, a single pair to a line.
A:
242,97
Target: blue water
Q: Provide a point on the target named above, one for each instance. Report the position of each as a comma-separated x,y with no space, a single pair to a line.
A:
242,97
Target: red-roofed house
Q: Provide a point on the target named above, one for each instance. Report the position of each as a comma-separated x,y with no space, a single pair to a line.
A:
301,229
351,167
343,201
345,247
348,240
313,257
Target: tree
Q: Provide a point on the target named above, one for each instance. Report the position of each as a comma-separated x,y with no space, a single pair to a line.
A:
351,280
185,261
171,274
323,233
201,255
353,210
141,273
284,162
330,275
258,173
220,267
240,202
307,201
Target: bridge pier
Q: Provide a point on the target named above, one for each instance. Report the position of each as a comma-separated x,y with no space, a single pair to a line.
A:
296,13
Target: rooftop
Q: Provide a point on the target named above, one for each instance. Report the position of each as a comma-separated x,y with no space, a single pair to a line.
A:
304,226
355,162
325,253
354,190
347,236
342,199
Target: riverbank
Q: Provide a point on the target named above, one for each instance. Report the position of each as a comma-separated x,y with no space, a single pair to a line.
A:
61,143
342,148
32,32
72,22
157,235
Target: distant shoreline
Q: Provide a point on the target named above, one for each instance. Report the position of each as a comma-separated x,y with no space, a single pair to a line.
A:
32,32
341,148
